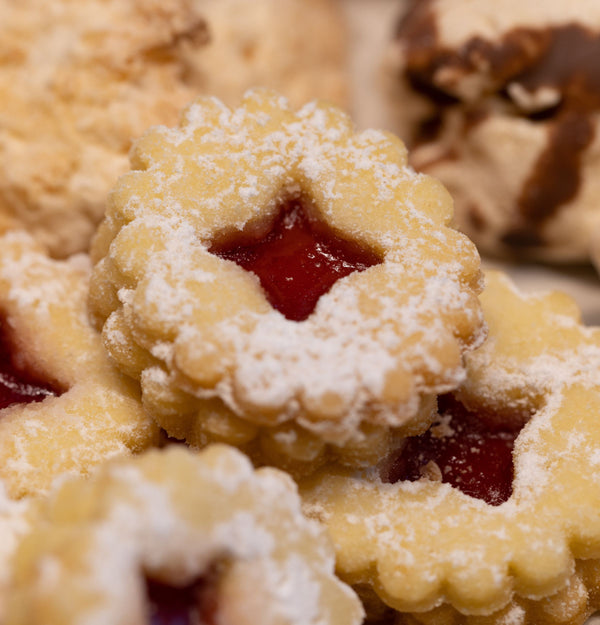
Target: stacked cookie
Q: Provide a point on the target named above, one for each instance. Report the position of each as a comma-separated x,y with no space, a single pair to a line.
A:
278,387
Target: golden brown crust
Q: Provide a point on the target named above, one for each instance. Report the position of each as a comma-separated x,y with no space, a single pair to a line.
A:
198,330
99,413
571,605
427,548
172,516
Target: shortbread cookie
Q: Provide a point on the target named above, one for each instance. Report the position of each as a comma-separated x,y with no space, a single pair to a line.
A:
274,278
78,81
174,536
438,533
63,406
298,47
501,102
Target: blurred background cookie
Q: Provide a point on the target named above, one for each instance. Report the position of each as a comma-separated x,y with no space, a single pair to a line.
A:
298,47
80,80
501,102
172,537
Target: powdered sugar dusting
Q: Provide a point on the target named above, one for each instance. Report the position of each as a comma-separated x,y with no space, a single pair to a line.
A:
30,274
146,524
226,172
431,543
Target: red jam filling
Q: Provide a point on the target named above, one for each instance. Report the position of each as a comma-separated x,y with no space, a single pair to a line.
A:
195,604
467,450
297,261
18,386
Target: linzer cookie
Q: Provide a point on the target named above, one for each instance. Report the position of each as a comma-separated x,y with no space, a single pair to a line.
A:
501,102
173,536
63,407
78,81
491,517
279,282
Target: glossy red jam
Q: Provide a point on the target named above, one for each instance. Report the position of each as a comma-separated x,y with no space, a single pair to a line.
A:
297,261
195,604
472,452
18,386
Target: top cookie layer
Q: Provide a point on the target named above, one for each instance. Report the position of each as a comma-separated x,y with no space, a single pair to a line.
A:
95,411
198,328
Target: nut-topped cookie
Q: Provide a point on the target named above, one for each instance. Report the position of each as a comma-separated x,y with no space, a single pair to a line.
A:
492,515
172,537
64,407
273,276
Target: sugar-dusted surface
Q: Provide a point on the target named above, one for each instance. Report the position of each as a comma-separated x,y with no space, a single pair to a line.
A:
372,25
425,544
170,516
379,343
96,412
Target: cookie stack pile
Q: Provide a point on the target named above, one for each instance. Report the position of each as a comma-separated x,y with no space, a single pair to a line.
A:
274,384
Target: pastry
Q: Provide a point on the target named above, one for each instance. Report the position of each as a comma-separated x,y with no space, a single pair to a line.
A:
298,47
437,532
501,102
78,81
173,536
275,279
63,407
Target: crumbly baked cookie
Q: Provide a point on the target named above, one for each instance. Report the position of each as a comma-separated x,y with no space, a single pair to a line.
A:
492,517
63,406
298,47
174,536
501,102
275,278
78,81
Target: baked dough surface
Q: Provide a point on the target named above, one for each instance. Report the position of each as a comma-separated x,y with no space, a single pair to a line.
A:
172,516
215,359
427,548
97,413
